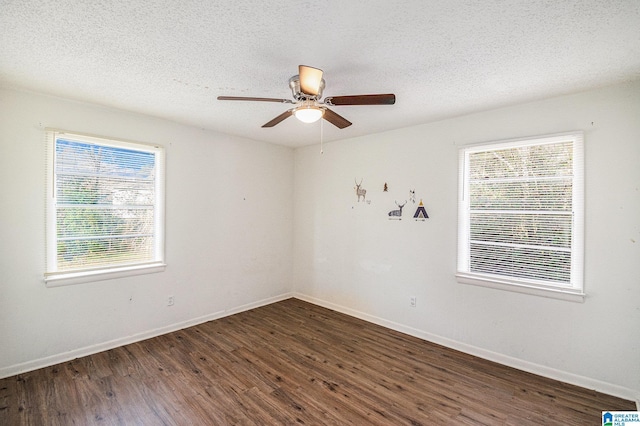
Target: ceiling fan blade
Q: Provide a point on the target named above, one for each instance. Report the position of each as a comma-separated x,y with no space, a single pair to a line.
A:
310,79
382,99
279,118
243,98
335,119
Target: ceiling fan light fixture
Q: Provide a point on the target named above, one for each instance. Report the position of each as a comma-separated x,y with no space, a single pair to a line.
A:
306,88
308,114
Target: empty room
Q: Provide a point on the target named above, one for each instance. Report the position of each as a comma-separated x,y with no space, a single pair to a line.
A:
360,212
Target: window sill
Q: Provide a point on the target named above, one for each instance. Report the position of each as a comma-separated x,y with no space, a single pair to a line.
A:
71,278
571,295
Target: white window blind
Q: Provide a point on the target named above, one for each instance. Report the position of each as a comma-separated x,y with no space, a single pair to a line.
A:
521,212
104,204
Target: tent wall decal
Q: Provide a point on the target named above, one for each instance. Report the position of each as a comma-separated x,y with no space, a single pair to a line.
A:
421,212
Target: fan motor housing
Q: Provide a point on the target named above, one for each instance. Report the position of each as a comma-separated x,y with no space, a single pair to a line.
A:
299,95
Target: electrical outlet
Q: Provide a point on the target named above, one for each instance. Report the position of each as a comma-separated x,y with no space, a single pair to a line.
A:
412,301
170,301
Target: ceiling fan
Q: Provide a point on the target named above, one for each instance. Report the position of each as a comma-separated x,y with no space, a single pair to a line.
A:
307,89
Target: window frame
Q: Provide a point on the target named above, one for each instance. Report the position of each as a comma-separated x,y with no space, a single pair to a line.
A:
52,276
572,292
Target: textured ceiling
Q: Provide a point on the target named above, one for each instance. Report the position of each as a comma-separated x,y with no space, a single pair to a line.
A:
171,59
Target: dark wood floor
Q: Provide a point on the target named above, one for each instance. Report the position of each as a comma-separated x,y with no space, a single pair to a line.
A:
292,362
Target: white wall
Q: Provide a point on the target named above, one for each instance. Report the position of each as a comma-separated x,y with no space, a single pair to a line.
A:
349,256
228,234
230,241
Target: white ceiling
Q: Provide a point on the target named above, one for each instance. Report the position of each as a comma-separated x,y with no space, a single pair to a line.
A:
171,59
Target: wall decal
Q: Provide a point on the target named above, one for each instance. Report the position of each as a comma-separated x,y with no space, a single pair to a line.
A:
412,195
421,212
386,188
397,214
360,192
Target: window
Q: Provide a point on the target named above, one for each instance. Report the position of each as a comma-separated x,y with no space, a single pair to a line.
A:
105,208
521,215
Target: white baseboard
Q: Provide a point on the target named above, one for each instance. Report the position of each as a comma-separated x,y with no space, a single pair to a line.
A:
541,370
12,370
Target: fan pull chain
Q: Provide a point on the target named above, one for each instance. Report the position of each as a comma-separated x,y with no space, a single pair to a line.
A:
321,135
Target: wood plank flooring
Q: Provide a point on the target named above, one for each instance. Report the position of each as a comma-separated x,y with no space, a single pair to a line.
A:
292,363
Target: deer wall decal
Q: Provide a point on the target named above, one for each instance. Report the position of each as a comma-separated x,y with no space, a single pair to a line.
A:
397,213
360,191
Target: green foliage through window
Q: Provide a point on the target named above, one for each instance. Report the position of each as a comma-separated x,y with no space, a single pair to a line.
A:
105,204
518,214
